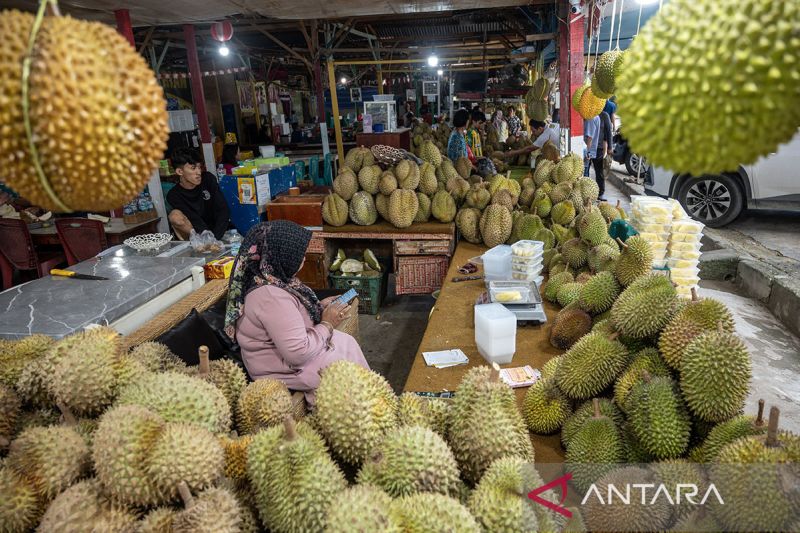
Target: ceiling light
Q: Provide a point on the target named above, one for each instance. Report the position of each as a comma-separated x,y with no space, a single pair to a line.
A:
433,60
440,72
223,50
343,80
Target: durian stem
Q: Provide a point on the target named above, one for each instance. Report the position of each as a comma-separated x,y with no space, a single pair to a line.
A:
613,336
494,377
772,428
694,294
53,8
69,418
619,203
205,366
646,377
289,427
186,495
760,418
621,243
596,405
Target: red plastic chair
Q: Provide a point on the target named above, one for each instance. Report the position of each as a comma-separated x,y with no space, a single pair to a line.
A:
18,252
82,238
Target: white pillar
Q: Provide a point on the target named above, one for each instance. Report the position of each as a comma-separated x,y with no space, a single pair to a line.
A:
157,195
209,159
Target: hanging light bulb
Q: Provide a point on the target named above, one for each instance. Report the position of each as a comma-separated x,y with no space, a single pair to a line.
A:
343,80
223,50
433,60
439,72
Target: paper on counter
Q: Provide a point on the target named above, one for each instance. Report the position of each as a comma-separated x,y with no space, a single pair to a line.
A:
445,358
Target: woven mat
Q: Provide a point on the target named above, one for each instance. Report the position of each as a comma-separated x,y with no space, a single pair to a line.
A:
451,325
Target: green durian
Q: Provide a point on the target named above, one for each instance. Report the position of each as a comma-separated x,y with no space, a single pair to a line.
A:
545,408
658,417
591,365
594,450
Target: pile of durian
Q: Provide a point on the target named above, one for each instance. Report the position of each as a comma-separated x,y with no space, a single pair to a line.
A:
97,438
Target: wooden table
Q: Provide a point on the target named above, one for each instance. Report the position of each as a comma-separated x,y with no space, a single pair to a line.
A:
116,231
451,325
399,139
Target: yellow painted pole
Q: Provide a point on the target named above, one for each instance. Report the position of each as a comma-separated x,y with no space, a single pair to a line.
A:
380,80
337,126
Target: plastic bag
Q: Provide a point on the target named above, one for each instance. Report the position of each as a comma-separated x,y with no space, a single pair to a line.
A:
205,242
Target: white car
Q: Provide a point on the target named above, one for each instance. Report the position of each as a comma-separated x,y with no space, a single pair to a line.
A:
773,182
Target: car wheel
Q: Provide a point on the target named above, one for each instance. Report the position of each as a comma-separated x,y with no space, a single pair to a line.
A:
713,200
633,162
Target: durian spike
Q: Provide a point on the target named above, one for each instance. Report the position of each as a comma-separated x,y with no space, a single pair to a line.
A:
596,405
720,327
186,495
694,294
69,417
772,428
494,377
205,366
760,418
289,427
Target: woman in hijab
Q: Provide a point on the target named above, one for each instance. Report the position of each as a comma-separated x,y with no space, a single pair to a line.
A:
500,126
283,330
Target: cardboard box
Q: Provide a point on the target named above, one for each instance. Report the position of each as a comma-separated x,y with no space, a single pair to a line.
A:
219,268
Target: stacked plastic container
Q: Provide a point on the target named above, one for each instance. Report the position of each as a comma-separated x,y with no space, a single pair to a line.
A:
684,251
526,261
495,333
652,218
497,263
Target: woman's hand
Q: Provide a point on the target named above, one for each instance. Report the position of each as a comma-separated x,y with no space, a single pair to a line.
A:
336,313
327,301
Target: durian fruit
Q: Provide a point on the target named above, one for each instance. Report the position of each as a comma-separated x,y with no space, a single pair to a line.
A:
545,408
527,196
427,179
15,356
605,74
387,183
184,453
85,504
361,508
568,293
760,81
424,210
463,167
382,206
156,357
645,306
591,365
355,409
602,258
599,293
116,87
478,197
215,510
672,472
263,403
569,326
586,412
700,520
496,225
635,451
562,233
543,170
180,398
503,197
635,260
411,459
10,407
403,207
430,154
159,520
715,375
542,206
446,171
235,449
484,423
368,178
346,184
594,450
767,462
548,369
362,209
592,228
635,515
561,192
49,459
500,502
354,159
432,513
293,477
416,410
546,237
443,207
609,212
468,223
554,283
20,506
501,182
726,432
334,210
562,212
589,105
697,317
408,174
658,417
645,360
589,189
121,445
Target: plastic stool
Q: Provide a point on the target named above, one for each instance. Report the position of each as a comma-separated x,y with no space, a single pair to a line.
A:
300,170
313,169
328,179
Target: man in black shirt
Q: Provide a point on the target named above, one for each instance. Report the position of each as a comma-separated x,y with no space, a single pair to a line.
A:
196,201
604,140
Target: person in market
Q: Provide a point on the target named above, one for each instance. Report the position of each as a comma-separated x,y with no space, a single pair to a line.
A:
474,132
297,134
457,144
500,126
230,157
542,133
602,147
283,330
591,128
514,123
196,201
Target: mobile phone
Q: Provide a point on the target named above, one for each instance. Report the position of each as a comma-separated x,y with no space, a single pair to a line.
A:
347,297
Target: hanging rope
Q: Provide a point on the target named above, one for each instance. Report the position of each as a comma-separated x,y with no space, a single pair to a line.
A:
591,36
619,28
613,18
26,104
599,31
639,22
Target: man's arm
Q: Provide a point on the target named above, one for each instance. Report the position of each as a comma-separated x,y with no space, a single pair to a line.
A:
179,202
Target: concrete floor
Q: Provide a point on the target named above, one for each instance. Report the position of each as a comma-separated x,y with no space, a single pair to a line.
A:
778,231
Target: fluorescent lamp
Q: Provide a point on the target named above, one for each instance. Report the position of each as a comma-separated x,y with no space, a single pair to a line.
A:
433,60
223,50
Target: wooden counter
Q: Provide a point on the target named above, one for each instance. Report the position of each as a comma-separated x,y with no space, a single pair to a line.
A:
398,139
451,325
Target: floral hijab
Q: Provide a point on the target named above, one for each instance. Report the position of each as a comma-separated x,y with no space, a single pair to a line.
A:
271,254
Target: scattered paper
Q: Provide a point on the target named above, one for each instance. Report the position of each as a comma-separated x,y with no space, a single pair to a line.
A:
521,376
445,358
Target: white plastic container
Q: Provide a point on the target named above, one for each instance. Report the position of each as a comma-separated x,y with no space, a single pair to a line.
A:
527,248
651,227
495,333
497,263
685,247
686,237
690,272
675,262
688,226
525,262
654,237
